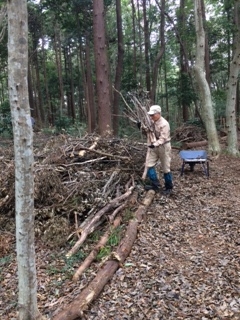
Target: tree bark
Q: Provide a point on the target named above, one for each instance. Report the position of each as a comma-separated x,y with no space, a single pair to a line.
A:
58,57
159,54
104,98
146,46
204,90
231,121
184,74
91,112
92,291
23,153
119,68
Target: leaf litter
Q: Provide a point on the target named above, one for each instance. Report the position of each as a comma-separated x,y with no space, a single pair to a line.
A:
185,263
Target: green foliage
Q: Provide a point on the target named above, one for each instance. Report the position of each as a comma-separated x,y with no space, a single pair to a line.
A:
113,241
195,122
62,123
104,252
66,265
4,262
66,124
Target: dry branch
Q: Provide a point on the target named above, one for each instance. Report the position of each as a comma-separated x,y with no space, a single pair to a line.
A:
105,154
91,292
91,226
86,263
82,152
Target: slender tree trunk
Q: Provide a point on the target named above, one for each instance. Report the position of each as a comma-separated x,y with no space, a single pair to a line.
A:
141,64
102,70
82,105
23,152
58,56
30,91
207,56
47,115
40,110
160,54
119,68
184,77
146,46
204,90
73,110
134,41
91,112
231,119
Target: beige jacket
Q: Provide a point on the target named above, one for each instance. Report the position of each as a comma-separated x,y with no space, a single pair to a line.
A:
162,132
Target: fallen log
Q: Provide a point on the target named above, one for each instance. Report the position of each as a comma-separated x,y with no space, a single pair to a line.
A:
90,227
75,309
195,144
93,254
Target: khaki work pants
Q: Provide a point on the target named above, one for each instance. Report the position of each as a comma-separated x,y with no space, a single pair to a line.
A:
162,153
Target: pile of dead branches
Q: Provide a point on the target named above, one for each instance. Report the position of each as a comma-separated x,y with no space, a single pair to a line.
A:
189,133
76,177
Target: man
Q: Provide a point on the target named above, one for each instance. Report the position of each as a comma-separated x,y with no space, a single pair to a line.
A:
160,149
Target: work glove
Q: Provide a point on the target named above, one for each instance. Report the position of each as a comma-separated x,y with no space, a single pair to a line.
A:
151,146
139,125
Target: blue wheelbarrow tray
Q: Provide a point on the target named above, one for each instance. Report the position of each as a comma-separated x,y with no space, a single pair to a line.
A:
193,157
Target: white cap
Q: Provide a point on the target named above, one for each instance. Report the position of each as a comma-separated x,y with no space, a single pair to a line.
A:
154,109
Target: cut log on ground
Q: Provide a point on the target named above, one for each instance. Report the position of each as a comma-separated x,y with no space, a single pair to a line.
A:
76,308
93,254
189,145
91,226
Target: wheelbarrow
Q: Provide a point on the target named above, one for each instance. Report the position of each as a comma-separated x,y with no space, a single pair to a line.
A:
193,157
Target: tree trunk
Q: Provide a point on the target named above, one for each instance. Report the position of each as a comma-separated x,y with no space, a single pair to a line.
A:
23,152
184,77
134,67
58,56
146,46
204,90
231,120
47,115
91,112
102,70
207,57
40,110
119,68
140,58
159,55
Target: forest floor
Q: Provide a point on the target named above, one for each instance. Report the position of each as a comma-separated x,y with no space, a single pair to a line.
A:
184,264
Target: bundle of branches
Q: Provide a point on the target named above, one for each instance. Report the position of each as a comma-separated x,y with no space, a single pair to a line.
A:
138,114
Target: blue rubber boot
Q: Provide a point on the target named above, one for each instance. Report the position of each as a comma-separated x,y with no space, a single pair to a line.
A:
168,183
152,175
